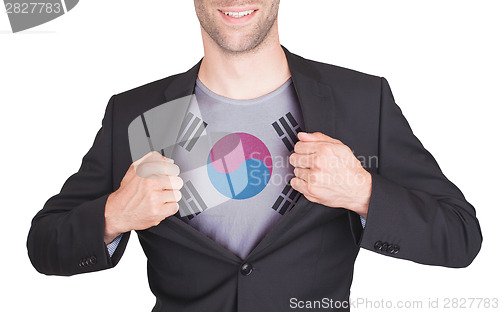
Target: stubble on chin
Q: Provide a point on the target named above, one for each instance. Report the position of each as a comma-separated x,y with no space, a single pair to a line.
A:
248,44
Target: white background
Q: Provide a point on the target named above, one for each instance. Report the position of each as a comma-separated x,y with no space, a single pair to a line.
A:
440,58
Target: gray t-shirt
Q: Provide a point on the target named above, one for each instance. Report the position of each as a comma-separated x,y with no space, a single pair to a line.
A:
233,159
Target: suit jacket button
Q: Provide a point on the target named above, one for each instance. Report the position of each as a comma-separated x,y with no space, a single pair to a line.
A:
378,245
93,260
390,249
384,246
396,249
246,269
83,263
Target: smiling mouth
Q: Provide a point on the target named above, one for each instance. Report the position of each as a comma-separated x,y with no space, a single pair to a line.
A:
238,14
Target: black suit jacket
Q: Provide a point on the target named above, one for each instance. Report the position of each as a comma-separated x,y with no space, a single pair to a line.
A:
415,212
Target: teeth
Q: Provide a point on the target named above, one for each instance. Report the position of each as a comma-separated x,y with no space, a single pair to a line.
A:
239,14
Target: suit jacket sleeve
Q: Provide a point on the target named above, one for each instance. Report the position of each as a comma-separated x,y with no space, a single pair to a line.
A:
415,212
67,236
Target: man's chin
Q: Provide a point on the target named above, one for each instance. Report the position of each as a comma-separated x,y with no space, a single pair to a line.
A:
239,46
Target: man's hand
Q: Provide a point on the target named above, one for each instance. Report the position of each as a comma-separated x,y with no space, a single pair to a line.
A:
327,172
148,193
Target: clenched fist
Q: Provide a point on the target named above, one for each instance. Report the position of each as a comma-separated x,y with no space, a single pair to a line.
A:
327,172
148,193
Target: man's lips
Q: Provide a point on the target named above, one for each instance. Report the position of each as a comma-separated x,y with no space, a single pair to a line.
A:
237,15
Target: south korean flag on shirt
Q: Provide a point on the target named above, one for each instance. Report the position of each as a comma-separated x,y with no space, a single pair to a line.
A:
218,165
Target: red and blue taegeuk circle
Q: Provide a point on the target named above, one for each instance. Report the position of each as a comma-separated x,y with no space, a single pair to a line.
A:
239,165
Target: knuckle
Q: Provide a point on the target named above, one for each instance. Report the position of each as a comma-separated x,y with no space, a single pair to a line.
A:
172,169
169,196
144,166
170,182
324,148
345,149
303,162
177,195
175,169
160,183
167,183
317,161
142,170
172,208
297,146
314,176
177,183
153,211
154,155
310,189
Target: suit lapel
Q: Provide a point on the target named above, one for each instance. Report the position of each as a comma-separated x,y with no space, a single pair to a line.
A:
315,98
183,84
318,109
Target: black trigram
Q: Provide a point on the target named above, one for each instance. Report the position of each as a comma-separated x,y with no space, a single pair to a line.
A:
285,200
191,203
193,132
285,129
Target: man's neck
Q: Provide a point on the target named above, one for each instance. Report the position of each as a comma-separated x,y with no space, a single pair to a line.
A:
244,76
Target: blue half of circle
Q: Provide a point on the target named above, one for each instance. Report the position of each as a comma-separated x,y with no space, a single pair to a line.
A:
248,180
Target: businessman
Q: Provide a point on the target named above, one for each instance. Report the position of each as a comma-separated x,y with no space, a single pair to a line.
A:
231,236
